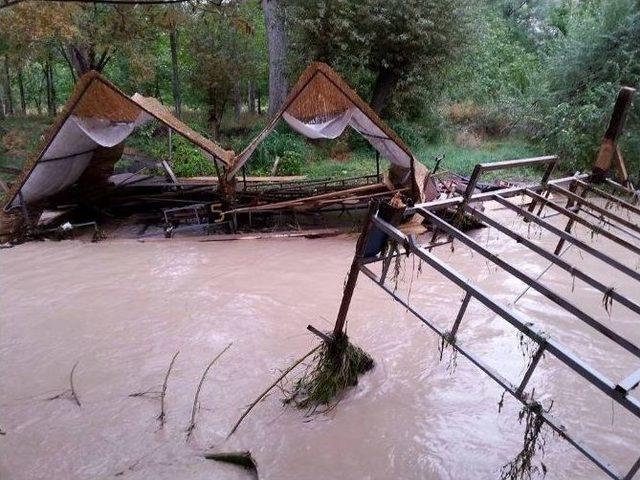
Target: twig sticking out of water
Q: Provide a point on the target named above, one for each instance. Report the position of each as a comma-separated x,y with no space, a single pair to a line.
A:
70,392
194,409
271,387
522,467
501,402
161,415
159,393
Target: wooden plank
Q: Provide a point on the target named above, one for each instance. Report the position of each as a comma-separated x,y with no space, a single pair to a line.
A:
621,168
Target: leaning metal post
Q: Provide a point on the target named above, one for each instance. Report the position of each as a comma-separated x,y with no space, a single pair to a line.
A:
368,245
352,279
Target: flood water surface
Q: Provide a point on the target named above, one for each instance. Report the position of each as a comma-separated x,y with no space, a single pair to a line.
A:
121,309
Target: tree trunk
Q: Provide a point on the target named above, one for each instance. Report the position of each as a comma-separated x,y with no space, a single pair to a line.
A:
216,111
237,100
175,75
23,99
277,43
383,87
259,99
7,87
38,100
52,83
251,94
84,58
51,91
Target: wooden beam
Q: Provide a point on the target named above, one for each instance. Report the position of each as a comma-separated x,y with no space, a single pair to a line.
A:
608,148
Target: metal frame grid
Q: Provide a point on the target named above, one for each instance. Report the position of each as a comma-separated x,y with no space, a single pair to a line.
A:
568,188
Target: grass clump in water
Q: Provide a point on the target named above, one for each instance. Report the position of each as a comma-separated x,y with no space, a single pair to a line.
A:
335,367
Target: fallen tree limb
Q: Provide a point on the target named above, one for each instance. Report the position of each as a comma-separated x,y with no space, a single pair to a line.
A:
271,387
192,422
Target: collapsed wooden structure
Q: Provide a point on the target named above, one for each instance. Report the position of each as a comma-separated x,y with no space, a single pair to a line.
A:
74,170
321,105
75,164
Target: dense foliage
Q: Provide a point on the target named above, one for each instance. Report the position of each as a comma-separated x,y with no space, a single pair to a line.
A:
473,74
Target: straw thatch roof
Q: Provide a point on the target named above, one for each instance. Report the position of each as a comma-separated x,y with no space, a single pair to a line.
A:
97,117
321,95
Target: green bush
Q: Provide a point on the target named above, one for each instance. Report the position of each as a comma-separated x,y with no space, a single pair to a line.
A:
290,163
189,161
282,143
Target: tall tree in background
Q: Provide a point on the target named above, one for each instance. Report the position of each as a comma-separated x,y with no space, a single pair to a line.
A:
218,45
171,21
395,41
274,18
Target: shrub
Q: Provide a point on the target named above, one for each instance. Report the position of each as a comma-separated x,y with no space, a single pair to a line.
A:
290,163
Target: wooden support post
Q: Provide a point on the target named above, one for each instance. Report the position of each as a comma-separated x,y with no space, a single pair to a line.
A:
378,165
169,171
25,210
621,168
607,154
244,177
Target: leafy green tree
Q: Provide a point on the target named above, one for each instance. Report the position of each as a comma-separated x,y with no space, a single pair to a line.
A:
600,53
397,43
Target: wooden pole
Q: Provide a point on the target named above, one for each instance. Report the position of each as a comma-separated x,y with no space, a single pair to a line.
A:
608,148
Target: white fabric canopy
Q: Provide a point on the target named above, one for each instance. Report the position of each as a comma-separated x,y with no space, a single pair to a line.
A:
333,128
68,155
97,115
355,119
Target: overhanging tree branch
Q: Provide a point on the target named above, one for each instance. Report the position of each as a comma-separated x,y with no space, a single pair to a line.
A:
8,3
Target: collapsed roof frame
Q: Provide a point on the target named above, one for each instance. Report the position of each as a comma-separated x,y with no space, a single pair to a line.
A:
294,111
103,111
377,231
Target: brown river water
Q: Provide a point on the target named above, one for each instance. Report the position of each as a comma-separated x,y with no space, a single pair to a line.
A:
122,308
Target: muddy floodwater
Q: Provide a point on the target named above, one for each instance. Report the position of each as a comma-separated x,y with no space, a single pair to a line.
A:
121,309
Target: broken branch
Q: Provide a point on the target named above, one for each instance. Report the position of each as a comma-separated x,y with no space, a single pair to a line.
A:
271,387
164,389
69,393
192,422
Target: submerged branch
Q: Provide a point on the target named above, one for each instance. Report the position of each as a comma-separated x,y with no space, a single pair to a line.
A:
161,415
192,422
271,387
69,393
